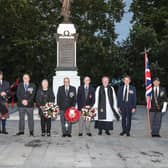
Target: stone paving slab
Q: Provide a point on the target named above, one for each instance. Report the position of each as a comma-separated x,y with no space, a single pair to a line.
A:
137,151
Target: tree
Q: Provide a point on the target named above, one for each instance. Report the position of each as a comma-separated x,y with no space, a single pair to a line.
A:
28,43
97,52
150,30
27,37
153,15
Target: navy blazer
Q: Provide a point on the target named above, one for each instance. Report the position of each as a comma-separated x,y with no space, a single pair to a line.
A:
162,97
131,97
64,101
28,95
81,99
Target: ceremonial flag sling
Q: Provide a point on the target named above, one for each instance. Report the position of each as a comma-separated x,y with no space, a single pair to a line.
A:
148,84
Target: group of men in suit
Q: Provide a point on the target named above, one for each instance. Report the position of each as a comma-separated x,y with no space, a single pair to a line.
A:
108,105
67,97
124,105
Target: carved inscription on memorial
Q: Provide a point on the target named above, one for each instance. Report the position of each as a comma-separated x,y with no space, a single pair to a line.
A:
66,53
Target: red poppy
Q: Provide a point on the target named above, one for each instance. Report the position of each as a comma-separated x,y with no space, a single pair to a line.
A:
72,115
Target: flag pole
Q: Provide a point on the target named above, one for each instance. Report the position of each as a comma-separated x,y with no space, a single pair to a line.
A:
148,123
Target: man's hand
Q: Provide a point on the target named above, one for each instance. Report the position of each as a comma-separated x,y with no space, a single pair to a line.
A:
58,110
3,94
119,110
25,102
133,110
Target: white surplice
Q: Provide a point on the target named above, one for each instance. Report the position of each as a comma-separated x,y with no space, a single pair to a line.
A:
109,113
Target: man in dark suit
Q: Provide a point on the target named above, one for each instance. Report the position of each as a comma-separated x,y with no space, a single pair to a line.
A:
85,97
127,104
159,96
4,93
25,96
66,98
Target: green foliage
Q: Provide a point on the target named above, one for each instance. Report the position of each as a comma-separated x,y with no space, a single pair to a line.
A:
27,41
150,30
96,52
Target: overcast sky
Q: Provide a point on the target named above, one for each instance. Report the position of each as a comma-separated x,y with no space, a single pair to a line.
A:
122,28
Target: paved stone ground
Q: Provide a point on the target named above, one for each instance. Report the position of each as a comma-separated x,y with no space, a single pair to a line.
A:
138,151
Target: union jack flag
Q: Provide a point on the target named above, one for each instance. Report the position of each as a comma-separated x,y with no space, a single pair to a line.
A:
148,82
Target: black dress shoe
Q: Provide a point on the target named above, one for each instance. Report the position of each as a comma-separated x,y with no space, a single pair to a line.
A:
4,132
80,134
31,133
43,134
69,135
89,134
64,135
122,133
128,134
20,133
48,134
107,133
100,132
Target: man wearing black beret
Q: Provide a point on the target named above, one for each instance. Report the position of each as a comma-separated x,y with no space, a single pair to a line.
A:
159,97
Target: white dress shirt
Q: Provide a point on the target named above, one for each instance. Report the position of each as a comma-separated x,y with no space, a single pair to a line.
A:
125,91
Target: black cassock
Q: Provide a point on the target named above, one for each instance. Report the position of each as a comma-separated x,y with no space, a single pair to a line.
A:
102,121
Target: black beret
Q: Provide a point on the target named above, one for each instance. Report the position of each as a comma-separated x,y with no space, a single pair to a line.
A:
156,79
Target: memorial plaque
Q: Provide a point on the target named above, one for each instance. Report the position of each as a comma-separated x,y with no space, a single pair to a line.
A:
66,53
66,39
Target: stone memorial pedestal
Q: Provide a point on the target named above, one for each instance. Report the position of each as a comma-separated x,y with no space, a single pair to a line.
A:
66,56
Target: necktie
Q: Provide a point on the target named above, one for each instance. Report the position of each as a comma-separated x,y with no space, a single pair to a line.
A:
26,87
0,83
155,98
66,91
156,92
86,92
125,94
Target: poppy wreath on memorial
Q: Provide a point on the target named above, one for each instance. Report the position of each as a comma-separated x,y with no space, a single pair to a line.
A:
72,115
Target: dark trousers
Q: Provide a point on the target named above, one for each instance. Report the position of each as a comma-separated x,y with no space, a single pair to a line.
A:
126,119
3,121
155,120
22,112
66,127
45,124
